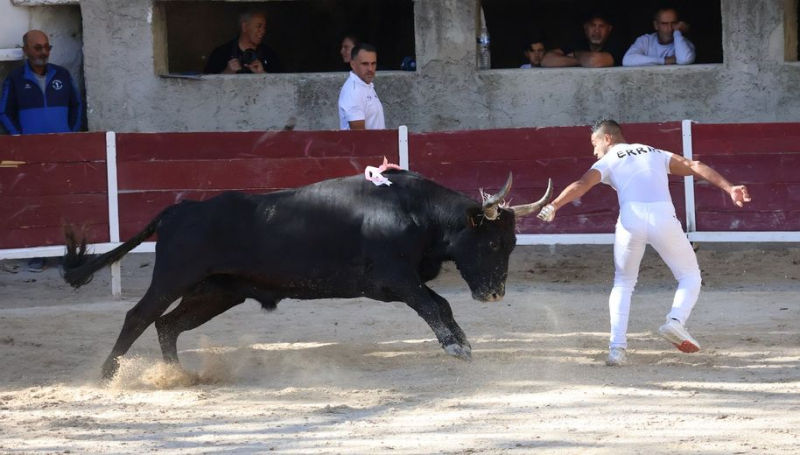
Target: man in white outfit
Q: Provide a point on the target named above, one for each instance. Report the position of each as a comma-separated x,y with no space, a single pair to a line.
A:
639,175
667,46
359,106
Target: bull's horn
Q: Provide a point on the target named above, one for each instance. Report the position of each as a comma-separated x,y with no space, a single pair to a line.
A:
527,209
490,202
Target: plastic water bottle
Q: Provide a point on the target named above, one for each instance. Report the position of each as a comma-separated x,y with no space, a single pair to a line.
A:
484,55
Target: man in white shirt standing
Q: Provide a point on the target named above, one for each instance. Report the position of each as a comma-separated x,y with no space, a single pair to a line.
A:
667,46
359,106
639,175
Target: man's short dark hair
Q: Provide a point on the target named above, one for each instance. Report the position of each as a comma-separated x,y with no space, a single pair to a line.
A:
607,126
362,47
535,38
666,8
353,38
249,14
599,14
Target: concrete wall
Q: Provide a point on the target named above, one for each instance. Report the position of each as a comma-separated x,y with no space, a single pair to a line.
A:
13,23
125,51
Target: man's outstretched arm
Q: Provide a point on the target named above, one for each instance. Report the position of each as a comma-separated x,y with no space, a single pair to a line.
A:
573,191
679,165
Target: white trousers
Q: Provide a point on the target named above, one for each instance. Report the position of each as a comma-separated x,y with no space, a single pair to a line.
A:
654,223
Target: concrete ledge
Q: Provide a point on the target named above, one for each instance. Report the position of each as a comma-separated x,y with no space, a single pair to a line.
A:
44,2
10,55
322,75
699,68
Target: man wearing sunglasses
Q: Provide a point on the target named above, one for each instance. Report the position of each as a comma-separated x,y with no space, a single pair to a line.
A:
39,97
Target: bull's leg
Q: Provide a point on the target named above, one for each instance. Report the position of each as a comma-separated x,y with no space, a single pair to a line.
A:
428,309
193,311
419,297
138,318
446,313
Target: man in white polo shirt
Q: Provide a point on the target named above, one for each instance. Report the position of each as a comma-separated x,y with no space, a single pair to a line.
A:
359,106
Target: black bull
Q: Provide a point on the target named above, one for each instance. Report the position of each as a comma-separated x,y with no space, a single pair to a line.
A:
339,238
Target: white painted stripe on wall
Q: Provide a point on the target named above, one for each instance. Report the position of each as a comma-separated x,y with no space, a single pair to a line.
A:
113,208
688,182
402,145
786,236
113,189
565,239
522,239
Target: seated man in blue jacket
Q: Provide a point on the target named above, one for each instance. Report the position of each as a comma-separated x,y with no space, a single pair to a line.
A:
39,97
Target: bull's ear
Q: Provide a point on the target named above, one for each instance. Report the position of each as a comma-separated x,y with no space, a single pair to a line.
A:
474,217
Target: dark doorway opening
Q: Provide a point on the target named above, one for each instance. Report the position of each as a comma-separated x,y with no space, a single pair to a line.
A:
512,22
306,34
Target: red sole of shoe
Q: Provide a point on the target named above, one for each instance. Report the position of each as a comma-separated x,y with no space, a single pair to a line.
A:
686,347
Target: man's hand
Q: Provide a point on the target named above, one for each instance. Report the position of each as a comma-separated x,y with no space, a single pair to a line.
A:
682,27
739,195
233,66
547,213
256,67
670,60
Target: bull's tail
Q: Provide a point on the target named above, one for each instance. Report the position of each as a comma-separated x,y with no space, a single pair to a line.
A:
78,269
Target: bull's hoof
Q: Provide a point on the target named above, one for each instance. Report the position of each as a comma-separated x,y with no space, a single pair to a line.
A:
461,352
110,368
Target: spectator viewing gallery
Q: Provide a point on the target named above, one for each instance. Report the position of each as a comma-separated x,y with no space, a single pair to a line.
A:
305,35
437,45
513,23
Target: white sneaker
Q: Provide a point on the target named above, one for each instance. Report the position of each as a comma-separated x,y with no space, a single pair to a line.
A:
616,357
674,332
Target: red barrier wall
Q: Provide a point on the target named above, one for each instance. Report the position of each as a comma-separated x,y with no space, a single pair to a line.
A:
61,178
766,158
156,170
468,160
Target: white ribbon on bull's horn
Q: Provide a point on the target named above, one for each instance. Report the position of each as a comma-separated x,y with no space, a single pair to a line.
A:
490,202
373,174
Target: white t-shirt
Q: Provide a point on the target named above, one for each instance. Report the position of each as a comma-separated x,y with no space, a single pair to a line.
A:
646,50
358,101
42,81
638,172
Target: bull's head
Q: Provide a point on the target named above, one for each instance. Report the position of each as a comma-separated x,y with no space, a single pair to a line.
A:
483,247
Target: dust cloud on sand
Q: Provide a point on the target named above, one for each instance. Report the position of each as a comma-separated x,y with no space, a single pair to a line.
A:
358,376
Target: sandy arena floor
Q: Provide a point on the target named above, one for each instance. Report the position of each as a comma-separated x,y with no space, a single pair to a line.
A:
363,377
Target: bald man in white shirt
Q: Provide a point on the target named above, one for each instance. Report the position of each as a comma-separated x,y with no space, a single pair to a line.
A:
359,105
667,46
639,175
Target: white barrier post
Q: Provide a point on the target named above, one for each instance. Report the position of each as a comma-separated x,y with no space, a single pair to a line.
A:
113,209
688,182
402,145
